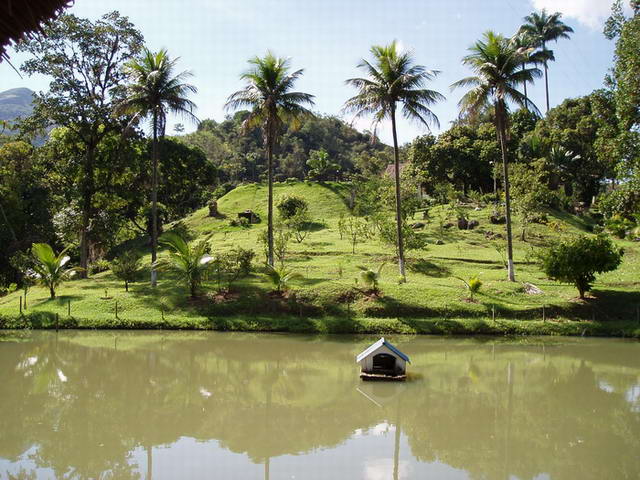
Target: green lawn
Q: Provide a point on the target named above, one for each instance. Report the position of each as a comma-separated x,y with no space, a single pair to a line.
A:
327,299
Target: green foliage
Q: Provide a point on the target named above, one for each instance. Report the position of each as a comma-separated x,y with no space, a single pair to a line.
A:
320,165
49,267
189,262
355,229
577,261
281,239
619,226
371,278
289,205
412,239
300,225
280,277
126,267
100,265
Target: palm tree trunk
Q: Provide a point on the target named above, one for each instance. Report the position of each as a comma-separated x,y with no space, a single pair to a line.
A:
502,131
270,197
546,76
52,293
396,157
154,201
526,97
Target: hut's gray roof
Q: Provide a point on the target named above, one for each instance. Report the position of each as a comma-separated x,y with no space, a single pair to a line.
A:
377,345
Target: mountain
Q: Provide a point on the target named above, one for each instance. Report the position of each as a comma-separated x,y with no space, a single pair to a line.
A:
16,102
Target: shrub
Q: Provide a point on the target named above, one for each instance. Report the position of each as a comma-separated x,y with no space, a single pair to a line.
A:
98,266
577,261
190,263
280,277
290,205
619,225
49,267
126,267
370,278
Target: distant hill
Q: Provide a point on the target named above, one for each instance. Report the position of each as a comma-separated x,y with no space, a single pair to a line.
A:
16,102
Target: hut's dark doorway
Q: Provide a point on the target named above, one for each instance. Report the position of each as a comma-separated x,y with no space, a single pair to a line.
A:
383,362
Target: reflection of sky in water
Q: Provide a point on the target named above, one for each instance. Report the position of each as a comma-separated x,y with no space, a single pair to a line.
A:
605,386
633,397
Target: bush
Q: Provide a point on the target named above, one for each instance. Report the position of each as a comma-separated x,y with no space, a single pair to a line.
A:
290,205
619,226
577,261
98,266
126,267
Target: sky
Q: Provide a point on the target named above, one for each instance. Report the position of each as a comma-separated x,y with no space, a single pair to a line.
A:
215,38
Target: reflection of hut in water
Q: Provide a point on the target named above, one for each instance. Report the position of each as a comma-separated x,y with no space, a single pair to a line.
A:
382,361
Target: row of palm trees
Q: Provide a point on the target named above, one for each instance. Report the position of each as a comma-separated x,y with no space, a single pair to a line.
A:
392,84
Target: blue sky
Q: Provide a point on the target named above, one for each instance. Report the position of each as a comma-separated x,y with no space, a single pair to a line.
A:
214,39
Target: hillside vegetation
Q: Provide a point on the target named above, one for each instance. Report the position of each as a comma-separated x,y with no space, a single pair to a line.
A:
329,297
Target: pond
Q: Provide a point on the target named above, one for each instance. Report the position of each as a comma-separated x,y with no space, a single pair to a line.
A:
166,405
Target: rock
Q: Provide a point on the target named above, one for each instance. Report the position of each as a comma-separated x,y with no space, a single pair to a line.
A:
418,225
439,242
447,225
531,289
497,219
463,223
473,224
477,209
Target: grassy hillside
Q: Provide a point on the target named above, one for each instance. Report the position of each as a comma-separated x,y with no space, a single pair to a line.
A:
328,299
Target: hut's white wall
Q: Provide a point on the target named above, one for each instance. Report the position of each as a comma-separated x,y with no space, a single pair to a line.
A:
366,364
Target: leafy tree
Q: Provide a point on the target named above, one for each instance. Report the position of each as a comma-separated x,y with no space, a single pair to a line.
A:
268,92
300,225
155,91
543,28
49,267
577,261
85,59
355,229
531,193
320,165
189,262
290,205
498,72
393,78
126,267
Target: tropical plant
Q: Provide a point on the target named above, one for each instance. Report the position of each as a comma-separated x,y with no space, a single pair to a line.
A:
371,278
577,261
49,267
525,44
473,285
543,28
154,92
126,267
393,78
280,277
189,262
273,103
497,65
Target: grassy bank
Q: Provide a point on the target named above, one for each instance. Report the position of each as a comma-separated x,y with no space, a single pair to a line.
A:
328,299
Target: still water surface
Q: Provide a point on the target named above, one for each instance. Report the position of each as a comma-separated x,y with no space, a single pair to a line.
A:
143,405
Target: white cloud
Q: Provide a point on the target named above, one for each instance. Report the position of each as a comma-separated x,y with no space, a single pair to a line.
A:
592,13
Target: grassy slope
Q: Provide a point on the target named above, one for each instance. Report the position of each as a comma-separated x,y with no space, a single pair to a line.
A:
433,301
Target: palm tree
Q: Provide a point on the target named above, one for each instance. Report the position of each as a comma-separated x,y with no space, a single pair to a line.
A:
189,262
49,267
526,45
394,78
156,91
268,93
543,28
497,65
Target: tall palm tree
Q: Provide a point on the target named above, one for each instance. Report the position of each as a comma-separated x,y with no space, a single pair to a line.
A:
526,45
269,94
393,78
542,28
497,65
154,92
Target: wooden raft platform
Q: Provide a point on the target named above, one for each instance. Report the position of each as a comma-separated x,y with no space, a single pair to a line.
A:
378,377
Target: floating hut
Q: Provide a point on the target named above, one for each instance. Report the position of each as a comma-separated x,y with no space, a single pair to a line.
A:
383,361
